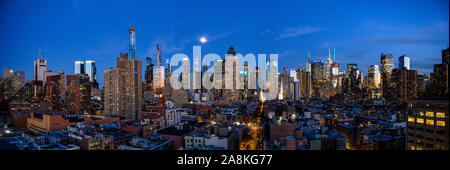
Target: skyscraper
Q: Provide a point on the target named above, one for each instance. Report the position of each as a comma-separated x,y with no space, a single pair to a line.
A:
404,84
20,77
40,66
403,62
79,93
132,48
351,67
317,77
158,55
328,63
334,74
158,77
387,65
79,67
373,77
123,88
148,73
53,92
91,70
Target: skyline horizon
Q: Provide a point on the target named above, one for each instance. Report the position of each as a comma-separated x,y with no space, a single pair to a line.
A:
303,65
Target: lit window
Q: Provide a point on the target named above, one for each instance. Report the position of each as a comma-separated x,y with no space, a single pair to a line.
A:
420,120
411,119
430,122
418,148
413,147
440,123
440,115
429,114
421,114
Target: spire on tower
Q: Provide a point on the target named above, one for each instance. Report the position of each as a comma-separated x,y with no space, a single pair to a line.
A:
40,51
329,53
334,54
158,55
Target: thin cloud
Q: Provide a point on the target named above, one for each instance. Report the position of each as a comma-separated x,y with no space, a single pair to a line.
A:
298,31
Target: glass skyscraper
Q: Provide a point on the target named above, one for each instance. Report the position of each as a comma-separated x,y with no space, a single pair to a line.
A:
404,62
79,67
132,47
91,70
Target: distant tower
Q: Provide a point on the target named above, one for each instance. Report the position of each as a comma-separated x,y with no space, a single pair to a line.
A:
308,64
404,61
91,70
132,50
40,66
79,67
158,55
148,73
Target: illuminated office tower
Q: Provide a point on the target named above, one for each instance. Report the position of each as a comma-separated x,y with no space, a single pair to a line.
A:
328,63
123,88
387,65
351,67
293,74
62,85
132,43
79,94
79,67
373,78
40,67
158,77
284,84
404,62
301,76
91,70
353,75
37,90
148,73
334,74
361,79
53,91
427,125
317,77
308,64
404,84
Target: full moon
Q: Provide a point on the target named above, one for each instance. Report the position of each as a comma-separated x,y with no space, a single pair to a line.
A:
203,40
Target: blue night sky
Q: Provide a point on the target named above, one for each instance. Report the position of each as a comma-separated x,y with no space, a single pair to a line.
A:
70,30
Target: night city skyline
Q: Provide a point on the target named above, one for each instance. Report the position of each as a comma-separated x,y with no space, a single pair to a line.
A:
218,83
69,31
